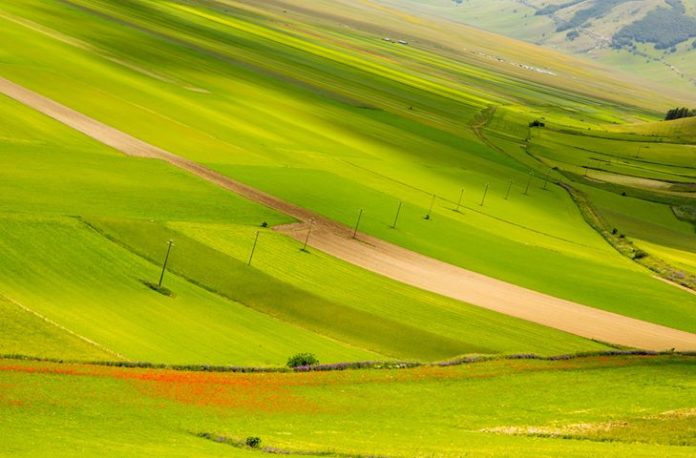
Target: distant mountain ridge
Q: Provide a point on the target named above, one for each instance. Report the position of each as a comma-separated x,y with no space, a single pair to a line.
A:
657,37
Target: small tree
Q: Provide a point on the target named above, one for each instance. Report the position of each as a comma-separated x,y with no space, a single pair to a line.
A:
302,359
253,441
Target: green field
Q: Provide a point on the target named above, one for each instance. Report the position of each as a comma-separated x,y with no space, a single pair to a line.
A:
501,408
83,228
337,121
310,103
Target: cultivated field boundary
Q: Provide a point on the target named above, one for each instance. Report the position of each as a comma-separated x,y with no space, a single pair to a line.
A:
347,366
663,270
387,259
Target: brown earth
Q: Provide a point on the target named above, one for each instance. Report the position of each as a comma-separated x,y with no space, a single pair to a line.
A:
387,259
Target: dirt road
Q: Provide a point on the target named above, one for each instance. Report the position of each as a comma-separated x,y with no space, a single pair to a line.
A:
387,259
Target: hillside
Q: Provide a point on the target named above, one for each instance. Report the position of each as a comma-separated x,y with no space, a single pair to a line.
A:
343,228
326,118
655,38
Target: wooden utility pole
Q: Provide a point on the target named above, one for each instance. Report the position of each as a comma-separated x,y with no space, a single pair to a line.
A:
485,191
309,232
396,218
166,260
432,204
461,196
529,182
357,223
253,248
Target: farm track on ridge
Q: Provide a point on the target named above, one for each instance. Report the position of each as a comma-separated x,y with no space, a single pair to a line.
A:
385,258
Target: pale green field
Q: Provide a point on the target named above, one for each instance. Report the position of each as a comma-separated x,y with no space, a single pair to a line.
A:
331,120
609,407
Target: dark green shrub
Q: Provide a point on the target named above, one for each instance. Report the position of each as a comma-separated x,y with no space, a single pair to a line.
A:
302,359
639,254
253,442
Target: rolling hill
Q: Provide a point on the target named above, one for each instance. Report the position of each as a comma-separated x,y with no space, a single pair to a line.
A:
654,38
366,181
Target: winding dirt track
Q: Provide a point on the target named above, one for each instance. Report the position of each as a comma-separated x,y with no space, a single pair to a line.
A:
387,259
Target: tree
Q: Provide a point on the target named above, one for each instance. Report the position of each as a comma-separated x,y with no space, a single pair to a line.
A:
678,113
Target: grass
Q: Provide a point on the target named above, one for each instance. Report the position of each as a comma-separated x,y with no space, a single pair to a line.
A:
72,275
332,298
23,330
65,174
493,244
488,409
309,103
331,120
279,257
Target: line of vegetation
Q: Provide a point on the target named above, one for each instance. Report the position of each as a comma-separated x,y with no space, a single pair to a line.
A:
680,112
357,365
254,443
685,213
617,240
625,246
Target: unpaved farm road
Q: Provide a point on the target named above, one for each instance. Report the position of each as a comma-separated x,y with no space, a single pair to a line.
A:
387,259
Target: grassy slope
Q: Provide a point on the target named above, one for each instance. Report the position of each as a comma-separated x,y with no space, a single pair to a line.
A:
23,331
319,273
72,275
63,270
422,412
65,173
362,133
637,165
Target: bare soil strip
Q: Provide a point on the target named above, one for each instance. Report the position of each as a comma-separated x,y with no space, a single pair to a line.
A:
387,259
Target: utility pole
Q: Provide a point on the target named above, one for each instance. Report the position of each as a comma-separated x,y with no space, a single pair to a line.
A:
309,232
459,203
432,204
357,223
396,218
166,260
529,182
253,248
485,191
507,193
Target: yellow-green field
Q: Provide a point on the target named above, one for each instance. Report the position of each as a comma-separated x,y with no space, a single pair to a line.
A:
308,102
614,407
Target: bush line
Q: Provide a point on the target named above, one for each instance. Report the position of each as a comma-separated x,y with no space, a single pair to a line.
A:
357,365
625,246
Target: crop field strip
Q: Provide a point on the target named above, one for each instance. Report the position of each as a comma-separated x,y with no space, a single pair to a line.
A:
392,261
358,412
560,291
71,174
358,180
663,168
